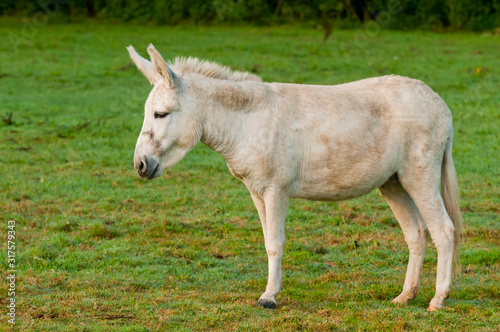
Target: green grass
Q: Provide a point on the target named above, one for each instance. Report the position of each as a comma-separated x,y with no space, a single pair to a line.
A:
100,249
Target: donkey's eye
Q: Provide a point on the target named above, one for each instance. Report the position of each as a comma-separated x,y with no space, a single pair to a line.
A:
160,115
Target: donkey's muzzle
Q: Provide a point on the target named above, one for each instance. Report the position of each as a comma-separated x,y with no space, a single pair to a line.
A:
147,169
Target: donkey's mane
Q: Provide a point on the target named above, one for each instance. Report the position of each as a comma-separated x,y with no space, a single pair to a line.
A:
210,69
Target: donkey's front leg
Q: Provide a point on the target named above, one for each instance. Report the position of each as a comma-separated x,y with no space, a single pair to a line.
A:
276,204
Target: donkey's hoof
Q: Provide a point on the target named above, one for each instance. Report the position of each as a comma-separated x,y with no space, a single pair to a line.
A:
398,301
403,298
266,304
433,308
436,303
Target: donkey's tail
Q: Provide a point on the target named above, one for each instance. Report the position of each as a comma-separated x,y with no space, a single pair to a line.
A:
449,189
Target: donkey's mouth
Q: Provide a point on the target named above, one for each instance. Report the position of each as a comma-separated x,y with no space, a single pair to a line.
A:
156,173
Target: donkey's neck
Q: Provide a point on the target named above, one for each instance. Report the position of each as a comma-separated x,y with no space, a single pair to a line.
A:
227,107
220,130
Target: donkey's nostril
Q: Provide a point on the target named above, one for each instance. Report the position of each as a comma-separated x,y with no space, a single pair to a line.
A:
143,166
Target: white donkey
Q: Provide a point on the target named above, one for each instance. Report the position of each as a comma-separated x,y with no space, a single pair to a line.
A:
316,142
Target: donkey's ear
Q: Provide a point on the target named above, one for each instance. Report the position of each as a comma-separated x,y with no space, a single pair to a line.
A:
145,66
162,68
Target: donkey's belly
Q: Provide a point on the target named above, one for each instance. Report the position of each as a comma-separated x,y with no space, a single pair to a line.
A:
327,192
341,183
346,163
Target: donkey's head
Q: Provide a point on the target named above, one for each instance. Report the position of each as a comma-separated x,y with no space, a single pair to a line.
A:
170,128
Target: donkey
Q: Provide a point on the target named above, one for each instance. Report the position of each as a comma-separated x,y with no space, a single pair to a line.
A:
316,142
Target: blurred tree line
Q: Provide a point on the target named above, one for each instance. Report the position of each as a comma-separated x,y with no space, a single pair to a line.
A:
392,14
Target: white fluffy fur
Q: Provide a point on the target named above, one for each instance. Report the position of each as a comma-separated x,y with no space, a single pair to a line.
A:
312,142
210,69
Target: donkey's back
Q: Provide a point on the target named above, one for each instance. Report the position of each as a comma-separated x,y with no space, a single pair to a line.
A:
343,141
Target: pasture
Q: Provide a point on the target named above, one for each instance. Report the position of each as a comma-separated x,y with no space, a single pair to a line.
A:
99,249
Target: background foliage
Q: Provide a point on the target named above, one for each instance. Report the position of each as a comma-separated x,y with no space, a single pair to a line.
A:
407,14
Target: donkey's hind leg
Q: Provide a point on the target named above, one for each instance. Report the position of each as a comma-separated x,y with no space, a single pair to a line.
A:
415,233
424,189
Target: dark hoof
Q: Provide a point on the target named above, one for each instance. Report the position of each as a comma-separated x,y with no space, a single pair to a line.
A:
266,304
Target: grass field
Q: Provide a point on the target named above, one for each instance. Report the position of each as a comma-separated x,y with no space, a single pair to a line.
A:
99,249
